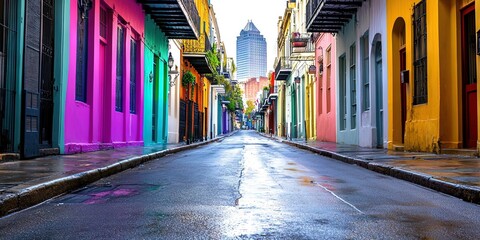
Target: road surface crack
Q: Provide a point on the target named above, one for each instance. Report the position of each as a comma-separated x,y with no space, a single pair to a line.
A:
242,163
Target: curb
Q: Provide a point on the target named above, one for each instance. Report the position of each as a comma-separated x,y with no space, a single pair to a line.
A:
466,193
36,194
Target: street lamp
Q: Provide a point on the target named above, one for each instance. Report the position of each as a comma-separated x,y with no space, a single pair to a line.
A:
171,80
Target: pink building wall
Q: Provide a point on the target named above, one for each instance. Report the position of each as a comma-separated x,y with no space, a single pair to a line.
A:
96,124
326,122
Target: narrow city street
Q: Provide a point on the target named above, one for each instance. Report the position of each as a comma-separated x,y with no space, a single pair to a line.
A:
247,186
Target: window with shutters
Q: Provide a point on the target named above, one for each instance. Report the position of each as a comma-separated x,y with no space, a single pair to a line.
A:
82,55
120,62
420,93
365,72
133,75
103,23
353,86
343,92
328,54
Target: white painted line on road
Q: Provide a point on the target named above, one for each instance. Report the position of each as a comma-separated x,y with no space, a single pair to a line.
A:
339,198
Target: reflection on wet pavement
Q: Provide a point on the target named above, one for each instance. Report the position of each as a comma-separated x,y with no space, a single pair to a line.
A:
458,169
17,175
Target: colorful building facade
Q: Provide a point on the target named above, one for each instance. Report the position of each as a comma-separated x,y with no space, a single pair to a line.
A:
41,74
104,106
433,84
325,49
193,97
11,84
174,93
360,71
157,86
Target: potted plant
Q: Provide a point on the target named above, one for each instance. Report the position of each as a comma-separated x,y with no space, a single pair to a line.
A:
188,79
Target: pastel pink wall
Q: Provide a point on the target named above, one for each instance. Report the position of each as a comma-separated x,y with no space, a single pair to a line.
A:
326,123
95,124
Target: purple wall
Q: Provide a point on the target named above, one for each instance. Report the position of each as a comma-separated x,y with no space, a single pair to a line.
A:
96,124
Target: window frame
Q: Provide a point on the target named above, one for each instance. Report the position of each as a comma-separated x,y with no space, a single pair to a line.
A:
365,53
342,79
120,62
328,53
81,80
353,85
420,83
134,45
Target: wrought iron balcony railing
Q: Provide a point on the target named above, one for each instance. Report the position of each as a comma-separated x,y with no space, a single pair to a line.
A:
302,43
192,11
312,6
178,19
202,45
283,68
330,15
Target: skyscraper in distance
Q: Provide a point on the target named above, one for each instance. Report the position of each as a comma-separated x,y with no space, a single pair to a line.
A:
251,53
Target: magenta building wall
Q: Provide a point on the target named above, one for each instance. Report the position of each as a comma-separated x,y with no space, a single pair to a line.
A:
326,108
95,124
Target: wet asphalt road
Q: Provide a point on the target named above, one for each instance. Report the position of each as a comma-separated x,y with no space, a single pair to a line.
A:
250,187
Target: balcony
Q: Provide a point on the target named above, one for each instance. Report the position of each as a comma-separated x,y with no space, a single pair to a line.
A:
273,94
283,69
195,51
330,15
178,19
303,48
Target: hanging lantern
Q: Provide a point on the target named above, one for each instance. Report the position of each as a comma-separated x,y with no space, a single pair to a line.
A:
297,79
312,69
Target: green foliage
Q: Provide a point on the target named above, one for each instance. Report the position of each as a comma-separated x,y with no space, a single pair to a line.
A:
235,98
188,78
234,68
212,57
266,88
250,107
216,78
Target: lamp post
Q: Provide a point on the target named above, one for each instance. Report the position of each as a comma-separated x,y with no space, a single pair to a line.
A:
172,80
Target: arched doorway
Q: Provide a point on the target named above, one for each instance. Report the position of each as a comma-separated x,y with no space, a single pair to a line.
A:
399,66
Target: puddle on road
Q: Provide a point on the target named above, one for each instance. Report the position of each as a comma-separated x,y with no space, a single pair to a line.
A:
293,170
307,181
102,197
104,193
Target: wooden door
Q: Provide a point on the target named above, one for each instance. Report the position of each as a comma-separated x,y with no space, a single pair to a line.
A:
155,98
403,91
469,77
38,77
379,92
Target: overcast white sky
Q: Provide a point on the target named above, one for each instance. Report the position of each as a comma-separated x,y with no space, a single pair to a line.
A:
233,15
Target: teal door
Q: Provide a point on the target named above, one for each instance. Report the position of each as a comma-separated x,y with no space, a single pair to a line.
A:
155,99
379,93
293,131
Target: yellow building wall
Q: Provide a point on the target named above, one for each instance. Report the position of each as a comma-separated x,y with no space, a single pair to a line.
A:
206,104
450,74
437,124
203,12
281,111
422,121
477,20
310,116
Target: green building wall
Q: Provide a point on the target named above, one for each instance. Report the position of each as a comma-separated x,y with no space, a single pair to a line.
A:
156,54
19,73
62,47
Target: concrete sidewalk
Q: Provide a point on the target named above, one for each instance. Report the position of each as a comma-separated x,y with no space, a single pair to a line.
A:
456,175
25,183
